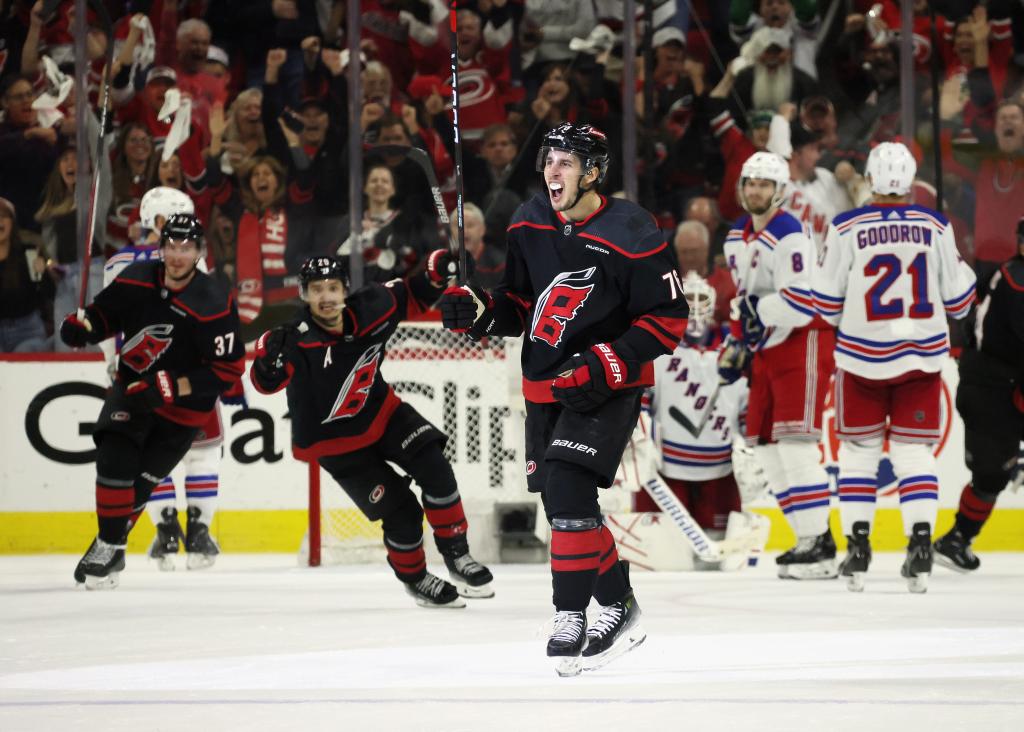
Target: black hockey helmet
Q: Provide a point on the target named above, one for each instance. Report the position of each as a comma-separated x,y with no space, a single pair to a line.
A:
181,227
323,268
587,142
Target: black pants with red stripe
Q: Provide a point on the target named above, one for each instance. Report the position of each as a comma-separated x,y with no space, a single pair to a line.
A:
381,493
134,451
569,455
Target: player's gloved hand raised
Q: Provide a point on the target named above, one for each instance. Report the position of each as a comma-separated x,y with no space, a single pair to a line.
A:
733,360
77,332
275,347
589,379
153,391
750,321
442,265
467,309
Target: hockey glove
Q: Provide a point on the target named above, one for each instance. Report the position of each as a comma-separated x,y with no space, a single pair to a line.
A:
441,266
589,379
276,347
750,322
467,309
153,391
77,332
235,396
733,360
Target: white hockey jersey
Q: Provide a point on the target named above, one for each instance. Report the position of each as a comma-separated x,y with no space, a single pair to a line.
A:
814,203
888,276
695,419
774,265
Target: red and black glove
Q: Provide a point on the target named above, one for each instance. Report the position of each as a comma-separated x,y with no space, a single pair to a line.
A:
77,332
442,265
275,347
467,309
589,379
152,391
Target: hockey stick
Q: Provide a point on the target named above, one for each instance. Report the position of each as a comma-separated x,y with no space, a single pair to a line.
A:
460,222
696,429
422,160
704,547
83,289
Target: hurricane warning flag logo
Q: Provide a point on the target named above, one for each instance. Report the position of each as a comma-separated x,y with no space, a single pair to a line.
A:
143,349
559,304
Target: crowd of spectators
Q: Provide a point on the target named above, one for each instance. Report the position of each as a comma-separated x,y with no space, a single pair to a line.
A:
244,105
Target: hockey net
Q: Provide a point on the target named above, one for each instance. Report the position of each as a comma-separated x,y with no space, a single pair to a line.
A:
471,392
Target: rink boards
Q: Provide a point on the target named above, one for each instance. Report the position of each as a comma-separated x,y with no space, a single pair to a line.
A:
47,474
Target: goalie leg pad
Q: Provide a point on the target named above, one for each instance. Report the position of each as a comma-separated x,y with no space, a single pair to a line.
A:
858,482
914,465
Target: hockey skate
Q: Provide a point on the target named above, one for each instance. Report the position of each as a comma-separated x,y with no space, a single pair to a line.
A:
432,591
101,566
953,551
917,567
201,548
470,578
813,557
567,641
616,632
167,540
858,557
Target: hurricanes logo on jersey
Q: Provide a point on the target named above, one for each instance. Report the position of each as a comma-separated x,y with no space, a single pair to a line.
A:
559,304
356,389
143,349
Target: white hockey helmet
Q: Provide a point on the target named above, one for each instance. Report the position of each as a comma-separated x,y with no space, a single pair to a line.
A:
165,202
700,297
891,169
765,166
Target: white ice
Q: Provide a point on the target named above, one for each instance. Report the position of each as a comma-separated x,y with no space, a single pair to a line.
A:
257,643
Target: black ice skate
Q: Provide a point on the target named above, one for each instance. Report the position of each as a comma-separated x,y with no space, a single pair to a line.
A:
813,557
167,540
917,567
616,631
858,556
953,551
202,549
567,641
470,578
101,566
432,591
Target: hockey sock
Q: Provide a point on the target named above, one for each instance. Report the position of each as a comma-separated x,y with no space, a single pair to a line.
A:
448,521
201,493
162,497
914,465
974,511
115,503
576,550
407,560
806,499
612,582
858,482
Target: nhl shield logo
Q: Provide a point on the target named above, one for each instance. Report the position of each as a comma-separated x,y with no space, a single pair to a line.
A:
567,230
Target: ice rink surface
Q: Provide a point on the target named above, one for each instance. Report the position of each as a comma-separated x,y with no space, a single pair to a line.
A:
257,643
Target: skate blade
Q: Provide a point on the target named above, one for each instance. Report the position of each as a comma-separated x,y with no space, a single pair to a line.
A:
110,582
827,569
455,604
482,592
634,637
944,561
566,666
164,563
855,582
918,584
200,561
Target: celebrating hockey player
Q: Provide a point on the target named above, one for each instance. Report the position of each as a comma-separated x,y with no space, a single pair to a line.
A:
592,283
890,274
771,257
346,416
990,399
202,462
696,417
181,351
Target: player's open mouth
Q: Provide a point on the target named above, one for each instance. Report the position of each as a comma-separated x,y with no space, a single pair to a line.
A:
556,191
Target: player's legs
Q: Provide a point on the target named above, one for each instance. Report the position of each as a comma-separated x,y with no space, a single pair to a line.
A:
202,479
914,429
164,515
862,408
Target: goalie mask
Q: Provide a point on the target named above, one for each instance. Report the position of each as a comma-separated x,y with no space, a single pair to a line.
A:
700,298
764,166
891,169
323,268
587,143
163,202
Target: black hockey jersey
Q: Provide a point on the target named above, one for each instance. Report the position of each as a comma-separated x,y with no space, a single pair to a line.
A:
191,332
610,278
337,398
999,320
